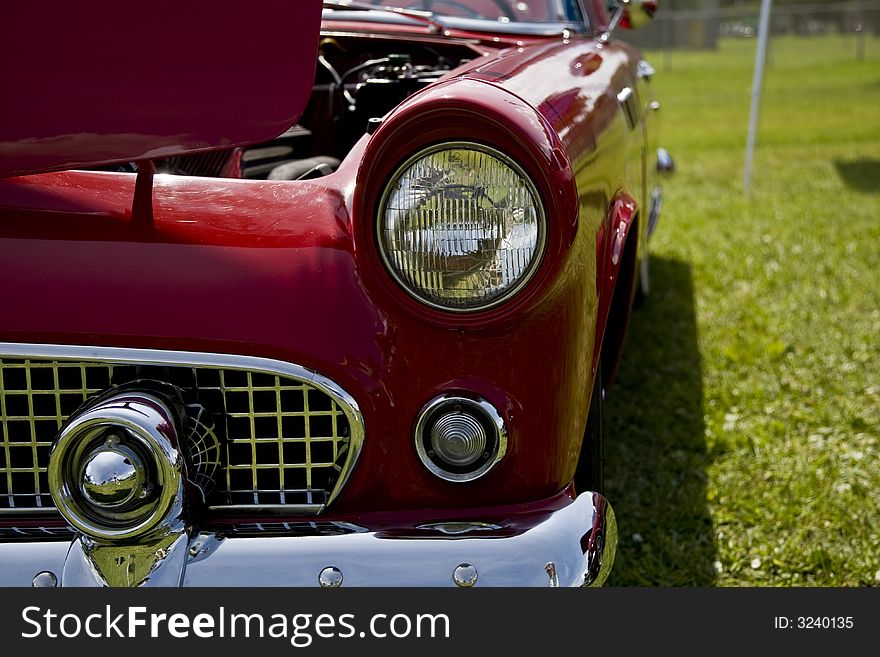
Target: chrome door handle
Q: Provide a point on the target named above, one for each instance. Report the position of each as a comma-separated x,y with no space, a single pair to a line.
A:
627,101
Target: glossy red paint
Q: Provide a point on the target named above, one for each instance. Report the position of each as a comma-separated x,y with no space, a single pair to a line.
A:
611,242
289,270
517,517
270,270
584,112
160,83
469,109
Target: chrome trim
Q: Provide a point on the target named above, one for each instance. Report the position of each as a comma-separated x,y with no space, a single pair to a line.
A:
254,364
512,28
465,575
141,545
114,476
435,25
273,527
157,562
330,578
31,532
550,569
614,21
627,101
388,36
150,423
458,528
638,12
579,539
33,511
665,163
45,580
655,206
599,569
644,70
272,509
541,245
481,406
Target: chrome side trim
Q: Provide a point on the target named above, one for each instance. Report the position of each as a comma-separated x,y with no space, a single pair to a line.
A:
665,167
656,206
132,356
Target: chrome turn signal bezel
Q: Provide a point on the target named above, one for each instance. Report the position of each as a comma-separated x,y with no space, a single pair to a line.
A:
488,416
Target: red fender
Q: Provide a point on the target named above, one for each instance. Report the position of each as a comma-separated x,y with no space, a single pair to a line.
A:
610,247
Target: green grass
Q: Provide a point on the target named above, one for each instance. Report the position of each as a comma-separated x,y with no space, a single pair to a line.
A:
743,432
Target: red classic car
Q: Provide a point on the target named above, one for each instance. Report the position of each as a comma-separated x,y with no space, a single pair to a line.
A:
369,351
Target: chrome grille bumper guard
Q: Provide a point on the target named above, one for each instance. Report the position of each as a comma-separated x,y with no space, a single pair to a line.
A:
571,546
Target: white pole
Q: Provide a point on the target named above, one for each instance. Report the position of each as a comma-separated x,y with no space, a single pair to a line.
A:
757,85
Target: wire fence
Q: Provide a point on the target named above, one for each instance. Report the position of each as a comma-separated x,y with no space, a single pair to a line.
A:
702,28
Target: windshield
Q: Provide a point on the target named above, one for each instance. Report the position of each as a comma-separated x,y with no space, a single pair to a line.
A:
500,12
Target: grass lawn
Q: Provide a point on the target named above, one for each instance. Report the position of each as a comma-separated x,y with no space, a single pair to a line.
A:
743,432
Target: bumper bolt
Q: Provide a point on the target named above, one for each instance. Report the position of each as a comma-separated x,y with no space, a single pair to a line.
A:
330,577
465,575
45,580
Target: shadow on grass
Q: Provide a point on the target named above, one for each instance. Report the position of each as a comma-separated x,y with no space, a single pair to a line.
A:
656,455
860,175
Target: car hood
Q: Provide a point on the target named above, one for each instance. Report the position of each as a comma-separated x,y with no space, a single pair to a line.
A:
111,82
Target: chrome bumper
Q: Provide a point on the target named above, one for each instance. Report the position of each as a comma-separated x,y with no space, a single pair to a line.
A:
571,546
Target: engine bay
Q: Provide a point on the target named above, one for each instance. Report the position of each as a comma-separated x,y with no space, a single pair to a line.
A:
357,79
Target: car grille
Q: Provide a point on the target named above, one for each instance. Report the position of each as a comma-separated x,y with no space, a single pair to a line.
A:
36,533
292,529
276,441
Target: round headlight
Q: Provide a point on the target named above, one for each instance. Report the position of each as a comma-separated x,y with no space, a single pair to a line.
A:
461,226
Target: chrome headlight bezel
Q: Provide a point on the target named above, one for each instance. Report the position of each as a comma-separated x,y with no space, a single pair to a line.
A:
541,218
